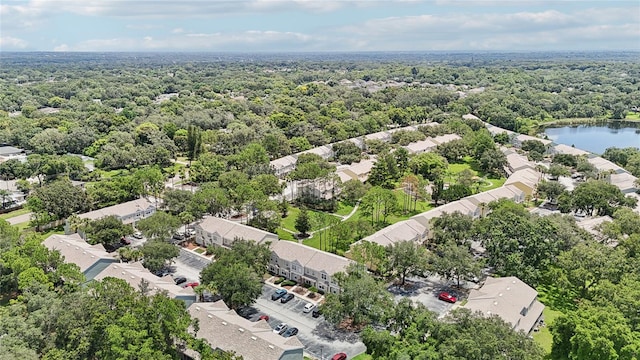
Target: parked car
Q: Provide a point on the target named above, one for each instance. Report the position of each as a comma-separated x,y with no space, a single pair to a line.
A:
178,236
278,294
180,279
308,307
290,332
162,272
445,296
192,284
339,356
286,298
191,232
316,313
281,328
264,317
137,235
125,240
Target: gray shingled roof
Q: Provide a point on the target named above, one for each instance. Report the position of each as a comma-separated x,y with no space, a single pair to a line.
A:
77,251
310,257
129,207
506,297
231,230
226,330
134,273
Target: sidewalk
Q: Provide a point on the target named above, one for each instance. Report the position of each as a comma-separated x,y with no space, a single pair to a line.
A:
292,289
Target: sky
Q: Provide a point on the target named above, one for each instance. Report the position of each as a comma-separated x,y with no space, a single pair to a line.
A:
319,25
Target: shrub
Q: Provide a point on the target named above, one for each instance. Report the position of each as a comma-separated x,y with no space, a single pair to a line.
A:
209,251
288,283
279,280
313,289
321,292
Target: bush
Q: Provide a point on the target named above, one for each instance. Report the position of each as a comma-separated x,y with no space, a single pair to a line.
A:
313,289
288,283
279,280
210,250
321,292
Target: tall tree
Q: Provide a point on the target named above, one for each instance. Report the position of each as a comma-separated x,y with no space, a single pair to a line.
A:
159,226
407,258
303,222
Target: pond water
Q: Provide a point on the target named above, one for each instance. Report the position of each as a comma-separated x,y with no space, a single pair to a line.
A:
596,138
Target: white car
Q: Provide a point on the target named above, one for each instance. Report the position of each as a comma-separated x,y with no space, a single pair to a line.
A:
308,307
280,328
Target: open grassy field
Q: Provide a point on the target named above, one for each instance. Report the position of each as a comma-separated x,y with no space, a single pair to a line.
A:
289,222
488,183
343,209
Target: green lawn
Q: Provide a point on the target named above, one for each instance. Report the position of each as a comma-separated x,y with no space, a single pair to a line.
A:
290,221
543,337
633,116
362,356
284,235
556,303
456,168
343,209
14,213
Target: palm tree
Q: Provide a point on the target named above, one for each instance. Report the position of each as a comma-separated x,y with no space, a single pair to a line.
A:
186,218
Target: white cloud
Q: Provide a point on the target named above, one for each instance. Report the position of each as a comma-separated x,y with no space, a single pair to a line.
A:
12,43
549,29
62,47
177,31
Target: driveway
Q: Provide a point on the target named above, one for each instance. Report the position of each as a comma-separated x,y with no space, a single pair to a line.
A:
318,337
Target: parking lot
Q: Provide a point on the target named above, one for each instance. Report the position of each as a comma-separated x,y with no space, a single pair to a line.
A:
189,265
425,291
319,339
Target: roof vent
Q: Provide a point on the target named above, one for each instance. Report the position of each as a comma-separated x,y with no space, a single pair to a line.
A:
124,273
508,288
254,338
224,323
271,347
513,281
133,277
84,253
500,294
489,313
241,329
495,303
198,308
208,315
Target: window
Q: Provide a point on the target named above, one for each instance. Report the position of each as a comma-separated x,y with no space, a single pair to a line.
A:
324,276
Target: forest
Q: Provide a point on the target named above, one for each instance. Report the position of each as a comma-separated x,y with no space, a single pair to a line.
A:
124,125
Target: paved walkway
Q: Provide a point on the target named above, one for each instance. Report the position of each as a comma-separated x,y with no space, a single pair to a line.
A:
19,219
342,218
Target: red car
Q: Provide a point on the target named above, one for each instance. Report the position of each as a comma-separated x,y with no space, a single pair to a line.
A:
192,284
264,317
445,296
339,356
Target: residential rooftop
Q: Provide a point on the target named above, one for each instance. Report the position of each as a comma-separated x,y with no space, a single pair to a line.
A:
119,210
134,274
510,299
310,257
226,330
232,230
77,251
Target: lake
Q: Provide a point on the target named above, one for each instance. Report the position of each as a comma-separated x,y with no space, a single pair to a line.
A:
596,138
